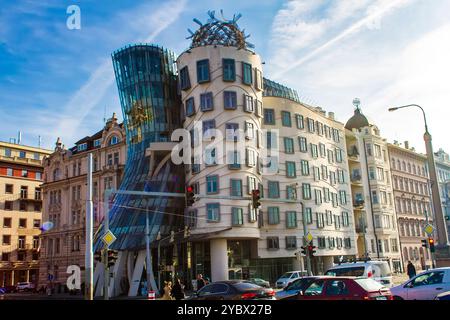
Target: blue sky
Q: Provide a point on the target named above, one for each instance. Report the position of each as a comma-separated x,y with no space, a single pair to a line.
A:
59,82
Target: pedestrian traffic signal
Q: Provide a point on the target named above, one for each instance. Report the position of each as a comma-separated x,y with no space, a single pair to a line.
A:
255,198
425,243
112,257
304,250
431,244
190,196
311,250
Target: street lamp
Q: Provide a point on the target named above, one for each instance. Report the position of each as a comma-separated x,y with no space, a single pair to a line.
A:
441,227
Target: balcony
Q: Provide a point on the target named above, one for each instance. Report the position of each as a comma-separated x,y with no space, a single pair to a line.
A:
358,203
356,179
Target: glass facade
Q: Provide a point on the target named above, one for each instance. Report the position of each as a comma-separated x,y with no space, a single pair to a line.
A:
147,84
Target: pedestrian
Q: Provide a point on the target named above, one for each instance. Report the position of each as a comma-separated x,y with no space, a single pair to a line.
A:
177,290
167,290
410,270
200,282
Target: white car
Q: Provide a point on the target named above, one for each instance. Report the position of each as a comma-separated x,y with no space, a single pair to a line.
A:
288,277
379,271
424,286
25,286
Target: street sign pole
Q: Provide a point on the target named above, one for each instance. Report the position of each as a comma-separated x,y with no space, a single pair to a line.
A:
429,231
89,258
305,242
106,247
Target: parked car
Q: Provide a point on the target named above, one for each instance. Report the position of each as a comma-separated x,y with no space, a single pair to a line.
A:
260,282
289,277
345,288
443,296
25,286
377,270
424,286
8,289
233,290
291,290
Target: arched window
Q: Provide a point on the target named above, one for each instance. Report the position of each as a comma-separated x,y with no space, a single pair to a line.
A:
411,254
404,166
398,165
393,163
113,140
416,254
414,169
56,174
409,167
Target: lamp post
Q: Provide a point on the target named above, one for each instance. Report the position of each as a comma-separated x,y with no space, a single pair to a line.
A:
441,227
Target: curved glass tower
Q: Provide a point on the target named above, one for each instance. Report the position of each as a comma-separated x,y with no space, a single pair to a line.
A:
147,84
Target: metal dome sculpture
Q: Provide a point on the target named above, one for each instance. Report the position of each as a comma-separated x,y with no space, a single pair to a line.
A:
219,32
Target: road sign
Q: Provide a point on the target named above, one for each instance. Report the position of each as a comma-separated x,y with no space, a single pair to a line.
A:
428,229
309,237
108,238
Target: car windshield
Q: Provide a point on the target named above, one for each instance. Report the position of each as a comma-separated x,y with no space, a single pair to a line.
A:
242,286
346,272
369,284
298,284
287,275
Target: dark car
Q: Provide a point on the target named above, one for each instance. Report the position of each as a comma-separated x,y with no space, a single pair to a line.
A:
345,288
7,289
233,290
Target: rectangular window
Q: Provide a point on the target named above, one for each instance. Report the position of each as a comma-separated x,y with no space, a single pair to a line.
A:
206,101
229,100
259,108
324,170
291,219
208,127
9,188
303,144
274,189
234,161
232,131
210,156
288,145
286,119
311,125
375,197
305,167
273,243
320,220
338,152
269,116
316,173
7,222
203,71
291,171
291,193
271,139
247,73
251,213
22,154
345,219
314,152
308,215
274,215
299,121
321,243
251,184
185,82
236,188
291,242
190,107
249,130
248,104
237,215
9,172
322,150
343,197
229,69
213,212
258,79
212,184
6,239
306,191
7,152
318,196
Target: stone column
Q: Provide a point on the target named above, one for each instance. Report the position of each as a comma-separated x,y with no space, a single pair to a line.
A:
219,259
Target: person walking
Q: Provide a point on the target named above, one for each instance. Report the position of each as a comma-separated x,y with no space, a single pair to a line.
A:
167,290
177,290
410,270
200,282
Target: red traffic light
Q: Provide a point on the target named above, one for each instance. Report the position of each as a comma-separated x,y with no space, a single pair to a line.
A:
255,193
190,189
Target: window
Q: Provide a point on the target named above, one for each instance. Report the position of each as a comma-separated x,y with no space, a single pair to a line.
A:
6,239
321,244
248,104
291,193
258,79
208,127
315,288
299,121
24,173
82,147
203,71
22,154
206,101
306,191
274,189
375,197
305,167
116,158
7,152
273,243
273,215
8,205
308,215
247,73
289,145
191,218
9,172
318,196
23,206
9,188
269,116
303,144
291,171
343,197
291,242
7,222
185,82
229,100
286,119
21,242
232,131
210,156
291,219
212,184
190,107
36,223
38,176
235,160
229,69
250,157
236,187
114,140
345,219
97,143
237,216
338,155
213,212
314,152
271,139
311,125
5,256
249,130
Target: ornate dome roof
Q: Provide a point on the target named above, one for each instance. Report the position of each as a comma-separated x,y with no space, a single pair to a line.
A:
219,32
358,120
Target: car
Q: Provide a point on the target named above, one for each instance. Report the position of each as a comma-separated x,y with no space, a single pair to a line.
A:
233,290
345,288
443,296
291,290
260,282
25,286
289,277
424,286
377,270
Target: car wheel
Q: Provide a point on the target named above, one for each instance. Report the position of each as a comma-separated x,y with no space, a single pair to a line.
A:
398,298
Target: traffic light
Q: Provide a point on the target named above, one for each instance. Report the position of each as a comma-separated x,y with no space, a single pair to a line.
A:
112,257
431,244
311,250
304,250
190,196
424,243
255,198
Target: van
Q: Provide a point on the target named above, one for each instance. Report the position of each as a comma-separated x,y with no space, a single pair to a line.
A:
288,277
379,271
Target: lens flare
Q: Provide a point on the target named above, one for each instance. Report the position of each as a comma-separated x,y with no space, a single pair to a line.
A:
46,226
